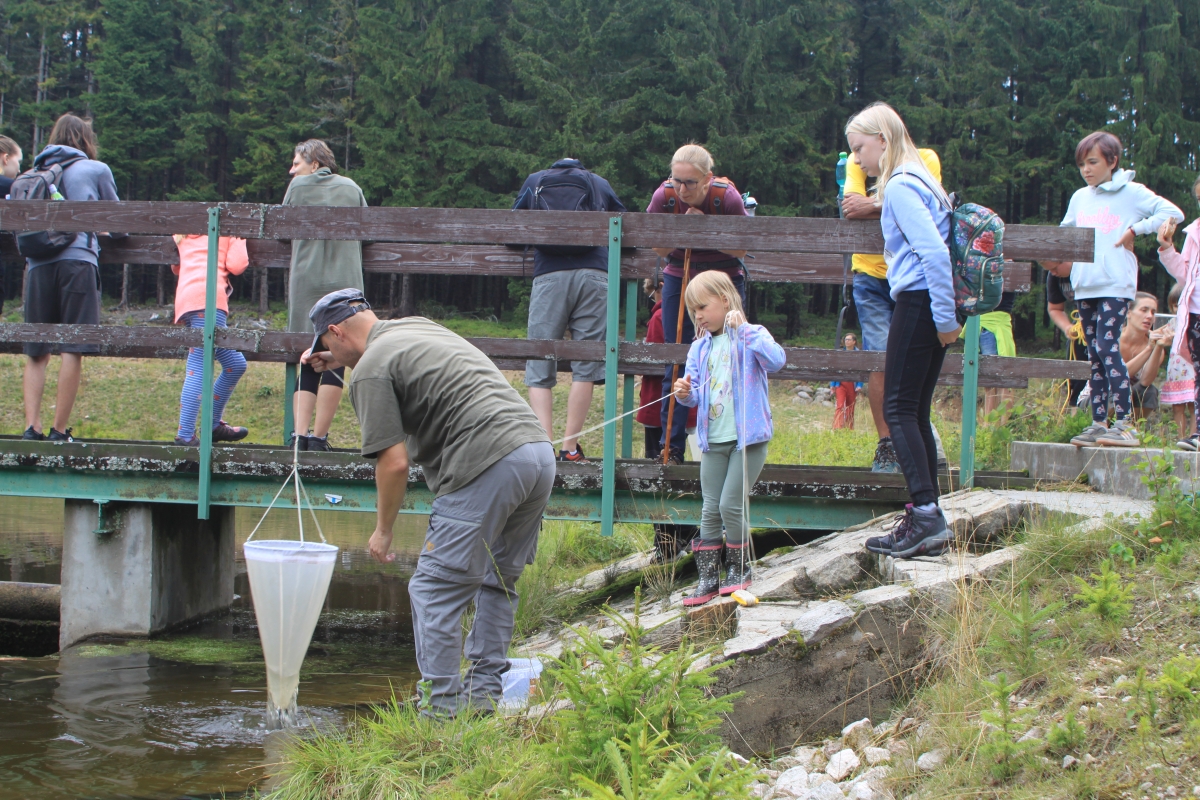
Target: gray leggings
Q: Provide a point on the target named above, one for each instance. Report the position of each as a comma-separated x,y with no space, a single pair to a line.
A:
721,485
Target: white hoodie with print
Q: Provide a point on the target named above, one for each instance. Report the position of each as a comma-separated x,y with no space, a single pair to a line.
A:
1112,208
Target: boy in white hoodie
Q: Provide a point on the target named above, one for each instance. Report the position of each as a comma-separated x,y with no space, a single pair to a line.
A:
1118,209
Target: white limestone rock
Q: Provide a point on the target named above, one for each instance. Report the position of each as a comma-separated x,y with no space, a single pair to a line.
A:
827,791
842,764
823,619
932,761
792,783
857,735
877,755
804,756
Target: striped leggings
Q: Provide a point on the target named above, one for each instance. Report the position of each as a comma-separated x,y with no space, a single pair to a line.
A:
233,366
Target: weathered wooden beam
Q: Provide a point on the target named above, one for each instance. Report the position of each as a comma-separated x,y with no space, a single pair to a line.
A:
636,358
495,226
397,257
492,260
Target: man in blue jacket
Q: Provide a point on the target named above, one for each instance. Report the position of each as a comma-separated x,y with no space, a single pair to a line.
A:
65,288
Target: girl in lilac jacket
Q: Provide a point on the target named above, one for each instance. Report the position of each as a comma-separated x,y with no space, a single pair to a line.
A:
1185,268
726,380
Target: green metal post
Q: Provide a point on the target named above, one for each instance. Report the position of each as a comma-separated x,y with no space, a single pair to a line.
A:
206,397
289,399
966,464
631,291
608,494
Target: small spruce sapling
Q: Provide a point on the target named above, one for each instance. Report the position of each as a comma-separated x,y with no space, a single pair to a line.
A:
1108,597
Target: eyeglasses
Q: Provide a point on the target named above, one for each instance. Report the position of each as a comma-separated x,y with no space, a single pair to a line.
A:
685,184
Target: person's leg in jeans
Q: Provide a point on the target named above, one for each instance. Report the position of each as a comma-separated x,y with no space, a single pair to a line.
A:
914,361
873,302
676,432
479,540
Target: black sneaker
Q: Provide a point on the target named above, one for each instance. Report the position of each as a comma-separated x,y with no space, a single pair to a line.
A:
192,442
316,444
60,436
676,458
1190,443
33,436
900,525
291,442
224,432
927,535
886,459
578,456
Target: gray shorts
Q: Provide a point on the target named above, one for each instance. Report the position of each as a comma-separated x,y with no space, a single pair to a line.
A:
576,299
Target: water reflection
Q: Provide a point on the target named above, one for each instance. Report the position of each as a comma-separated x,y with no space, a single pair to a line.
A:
181,715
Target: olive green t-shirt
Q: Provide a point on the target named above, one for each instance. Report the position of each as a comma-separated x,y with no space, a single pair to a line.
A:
423,385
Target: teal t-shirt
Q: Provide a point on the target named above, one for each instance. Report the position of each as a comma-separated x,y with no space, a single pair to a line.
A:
721,426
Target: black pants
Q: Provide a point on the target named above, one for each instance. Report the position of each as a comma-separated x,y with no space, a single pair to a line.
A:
914,361
1076,351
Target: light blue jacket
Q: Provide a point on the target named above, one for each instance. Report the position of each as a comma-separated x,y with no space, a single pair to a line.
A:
1111,209
754,345
916,227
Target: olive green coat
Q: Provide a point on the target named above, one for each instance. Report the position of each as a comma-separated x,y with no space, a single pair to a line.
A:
321,266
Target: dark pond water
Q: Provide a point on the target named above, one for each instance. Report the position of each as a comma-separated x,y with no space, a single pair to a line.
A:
181,715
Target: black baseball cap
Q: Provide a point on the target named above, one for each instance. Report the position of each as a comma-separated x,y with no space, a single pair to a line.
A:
334,309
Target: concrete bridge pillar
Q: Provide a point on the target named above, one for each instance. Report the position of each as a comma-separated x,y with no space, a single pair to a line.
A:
133,569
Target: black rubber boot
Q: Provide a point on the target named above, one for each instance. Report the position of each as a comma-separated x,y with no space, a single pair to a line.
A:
708,564
738,573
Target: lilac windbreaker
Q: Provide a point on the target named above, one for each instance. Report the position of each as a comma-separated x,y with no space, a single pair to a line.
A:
754,345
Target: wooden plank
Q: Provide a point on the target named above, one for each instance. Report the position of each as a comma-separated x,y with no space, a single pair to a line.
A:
496,226
126,250
397,257
803,363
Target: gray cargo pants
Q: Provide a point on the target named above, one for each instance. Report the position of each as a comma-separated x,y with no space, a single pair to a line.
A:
480,539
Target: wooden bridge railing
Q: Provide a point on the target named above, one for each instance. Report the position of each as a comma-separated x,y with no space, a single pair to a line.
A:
475,241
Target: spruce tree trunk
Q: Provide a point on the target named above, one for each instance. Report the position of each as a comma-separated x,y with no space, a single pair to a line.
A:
264,292
407,301
126,272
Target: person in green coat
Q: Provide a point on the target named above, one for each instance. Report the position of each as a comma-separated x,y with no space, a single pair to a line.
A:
319,266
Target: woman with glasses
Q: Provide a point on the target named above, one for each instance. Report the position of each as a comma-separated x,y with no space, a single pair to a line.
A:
692,189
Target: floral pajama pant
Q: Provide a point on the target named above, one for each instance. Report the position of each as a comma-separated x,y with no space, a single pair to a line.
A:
1102,320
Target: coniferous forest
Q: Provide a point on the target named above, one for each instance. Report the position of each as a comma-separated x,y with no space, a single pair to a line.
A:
452,103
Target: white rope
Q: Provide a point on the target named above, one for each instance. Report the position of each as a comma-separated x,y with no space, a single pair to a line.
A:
740,366
293,475
607,422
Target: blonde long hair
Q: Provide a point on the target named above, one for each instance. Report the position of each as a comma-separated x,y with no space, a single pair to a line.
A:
711,284
880,119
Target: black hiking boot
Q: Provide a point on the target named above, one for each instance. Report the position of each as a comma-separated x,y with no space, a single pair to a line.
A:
708,565
927,535
900,525
317,444
738,572
224,432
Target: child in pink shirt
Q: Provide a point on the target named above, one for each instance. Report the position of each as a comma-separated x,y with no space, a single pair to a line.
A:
189,310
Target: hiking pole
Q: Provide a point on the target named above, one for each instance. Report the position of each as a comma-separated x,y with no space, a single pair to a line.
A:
680,311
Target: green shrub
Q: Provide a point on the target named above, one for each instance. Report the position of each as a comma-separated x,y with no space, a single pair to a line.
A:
1107,598
1067,737
1003,754
614,689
